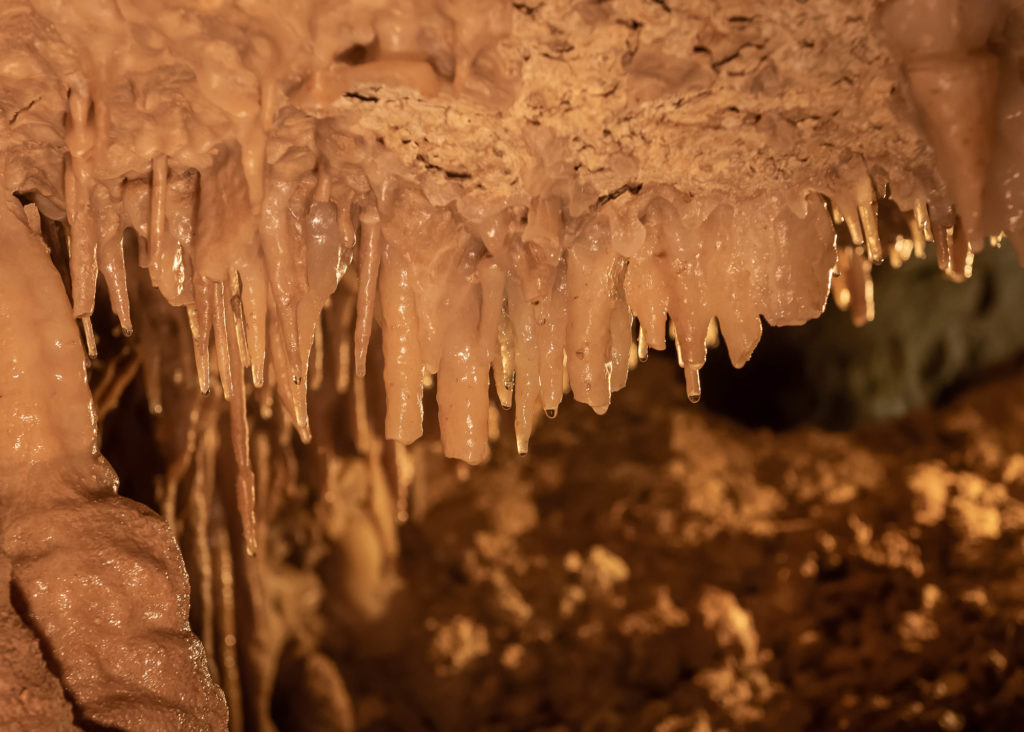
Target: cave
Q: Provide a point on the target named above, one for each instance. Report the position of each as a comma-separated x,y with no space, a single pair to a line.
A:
442,365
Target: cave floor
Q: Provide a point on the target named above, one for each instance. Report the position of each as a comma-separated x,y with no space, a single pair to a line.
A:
661,568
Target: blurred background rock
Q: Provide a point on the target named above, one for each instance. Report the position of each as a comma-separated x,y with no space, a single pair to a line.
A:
930,338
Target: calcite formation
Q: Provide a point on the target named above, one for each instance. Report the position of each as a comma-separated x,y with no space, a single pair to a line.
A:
499,202
98,577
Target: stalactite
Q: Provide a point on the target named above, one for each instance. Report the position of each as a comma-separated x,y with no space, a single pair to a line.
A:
494,244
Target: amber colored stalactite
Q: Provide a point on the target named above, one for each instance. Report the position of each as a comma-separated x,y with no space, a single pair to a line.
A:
363,204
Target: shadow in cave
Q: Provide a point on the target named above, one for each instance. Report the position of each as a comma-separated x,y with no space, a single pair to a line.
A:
930,339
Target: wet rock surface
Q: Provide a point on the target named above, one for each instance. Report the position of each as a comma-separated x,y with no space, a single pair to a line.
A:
31,697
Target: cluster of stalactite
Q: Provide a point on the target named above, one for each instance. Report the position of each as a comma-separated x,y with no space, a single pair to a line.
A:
271,268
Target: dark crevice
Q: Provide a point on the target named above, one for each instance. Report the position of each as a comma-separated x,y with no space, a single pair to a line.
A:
353,56
527,9
631,188
55,235
14,117
451,174
362,97
731,57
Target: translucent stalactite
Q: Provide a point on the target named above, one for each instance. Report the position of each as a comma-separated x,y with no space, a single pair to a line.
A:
223,338
503,366
84,234
462,383
245,480
526,360
553,315
200,318
248,209
591,279
369,267
106,200
403,364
